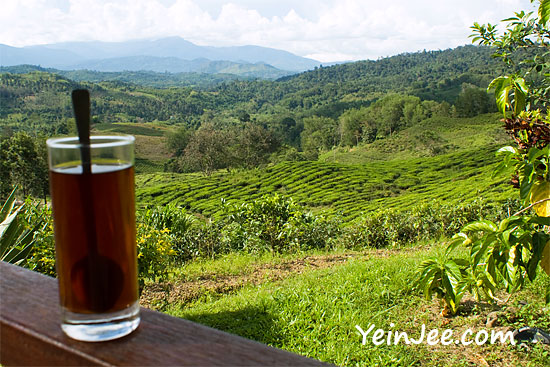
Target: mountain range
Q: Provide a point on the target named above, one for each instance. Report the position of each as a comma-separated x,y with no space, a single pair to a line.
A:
172,54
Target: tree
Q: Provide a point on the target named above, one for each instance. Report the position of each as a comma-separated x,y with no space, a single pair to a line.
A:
472,101
394,112
351,127
243,116
319,134
254,143
208,150
23,163
177,140
508,253
523,47
5,168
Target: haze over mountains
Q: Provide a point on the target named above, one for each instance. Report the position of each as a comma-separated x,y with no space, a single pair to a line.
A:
173,54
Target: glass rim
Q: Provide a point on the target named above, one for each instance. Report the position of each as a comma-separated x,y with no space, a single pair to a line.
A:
96,141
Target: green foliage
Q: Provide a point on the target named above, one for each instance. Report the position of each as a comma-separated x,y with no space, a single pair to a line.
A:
441,276
42,256
393,113
506,85
436,135
206,151
177,140
160,231
523,46
319,134
23,163
504,253
40,101
391,228
276,224
509,252
16,238
351,125
169,216
128,128
155,253
531,168
473,101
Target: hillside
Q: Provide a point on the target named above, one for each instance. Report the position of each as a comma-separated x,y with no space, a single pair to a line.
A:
326,91
336,188
433,75
432,157
433,136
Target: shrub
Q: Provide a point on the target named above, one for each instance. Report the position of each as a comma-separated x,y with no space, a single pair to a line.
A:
391,227
17,238
155,253
276,224
42,256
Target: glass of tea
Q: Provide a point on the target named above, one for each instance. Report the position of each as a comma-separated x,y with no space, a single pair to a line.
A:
95,236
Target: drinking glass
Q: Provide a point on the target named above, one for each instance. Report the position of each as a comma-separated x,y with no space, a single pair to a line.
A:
95,236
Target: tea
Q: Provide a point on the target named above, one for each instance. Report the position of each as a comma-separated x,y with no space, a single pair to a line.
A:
94,219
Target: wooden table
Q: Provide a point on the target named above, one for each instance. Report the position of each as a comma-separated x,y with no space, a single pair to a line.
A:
31,335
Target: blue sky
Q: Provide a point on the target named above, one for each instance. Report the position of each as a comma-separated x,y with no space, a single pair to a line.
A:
326,30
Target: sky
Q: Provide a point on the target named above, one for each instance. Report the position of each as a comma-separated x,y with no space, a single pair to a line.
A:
324,30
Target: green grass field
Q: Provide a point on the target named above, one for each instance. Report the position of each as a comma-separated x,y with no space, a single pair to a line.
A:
315,313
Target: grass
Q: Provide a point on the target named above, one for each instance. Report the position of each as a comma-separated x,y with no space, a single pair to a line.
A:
315,313
337,188
146,129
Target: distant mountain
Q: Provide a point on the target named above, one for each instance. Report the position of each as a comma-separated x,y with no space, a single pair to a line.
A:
144,78
177,65
42,56
173,54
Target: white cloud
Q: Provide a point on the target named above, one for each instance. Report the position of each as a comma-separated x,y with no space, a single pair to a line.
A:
327,30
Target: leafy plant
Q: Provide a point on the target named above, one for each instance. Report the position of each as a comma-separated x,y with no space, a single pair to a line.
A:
155,253
16,239
523,47
509,252
504,253
42,256
277,224
441,276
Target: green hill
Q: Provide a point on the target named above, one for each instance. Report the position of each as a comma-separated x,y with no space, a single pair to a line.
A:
434,136
336,188
327,91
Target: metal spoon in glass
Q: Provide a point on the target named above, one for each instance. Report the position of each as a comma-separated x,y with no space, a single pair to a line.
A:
96,280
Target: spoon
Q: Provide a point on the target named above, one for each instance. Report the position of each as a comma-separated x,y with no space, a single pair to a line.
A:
96,280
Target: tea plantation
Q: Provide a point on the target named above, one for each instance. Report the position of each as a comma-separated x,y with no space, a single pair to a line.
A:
349,190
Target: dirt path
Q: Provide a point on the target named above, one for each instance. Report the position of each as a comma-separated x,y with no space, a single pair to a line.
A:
186,291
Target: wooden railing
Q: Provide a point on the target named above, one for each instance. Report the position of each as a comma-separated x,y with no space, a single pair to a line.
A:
31,335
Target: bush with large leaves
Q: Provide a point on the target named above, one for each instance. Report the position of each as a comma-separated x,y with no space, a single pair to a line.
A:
507,253
16,238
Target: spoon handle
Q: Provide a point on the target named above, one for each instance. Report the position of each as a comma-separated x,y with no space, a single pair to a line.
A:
81,105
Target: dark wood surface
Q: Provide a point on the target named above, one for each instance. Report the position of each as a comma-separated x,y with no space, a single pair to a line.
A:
31,335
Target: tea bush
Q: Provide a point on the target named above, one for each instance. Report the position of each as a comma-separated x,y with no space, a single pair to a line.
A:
168,235
277,224
390,227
